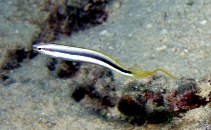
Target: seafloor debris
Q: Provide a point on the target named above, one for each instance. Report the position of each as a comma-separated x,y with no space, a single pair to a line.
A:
13,57
63,69
94,88
155,100
69,16
5,79
152,102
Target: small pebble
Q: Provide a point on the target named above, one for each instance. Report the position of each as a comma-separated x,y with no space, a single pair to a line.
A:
161,48
16,31
130,35
203,22
149,26
116,5
186,50
104,32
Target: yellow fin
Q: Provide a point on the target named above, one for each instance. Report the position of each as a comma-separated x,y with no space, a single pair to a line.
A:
143,74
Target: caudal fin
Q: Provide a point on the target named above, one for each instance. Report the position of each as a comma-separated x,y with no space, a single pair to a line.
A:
143,74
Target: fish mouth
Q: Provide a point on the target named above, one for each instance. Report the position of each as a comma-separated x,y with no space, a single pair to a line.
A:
36,47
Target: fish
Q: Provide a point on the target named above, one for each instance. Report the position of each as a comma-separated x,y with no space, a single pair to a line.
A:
77,54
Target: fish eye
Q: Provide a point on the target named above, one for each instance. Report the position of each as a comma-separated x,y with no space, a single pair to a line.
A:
39,48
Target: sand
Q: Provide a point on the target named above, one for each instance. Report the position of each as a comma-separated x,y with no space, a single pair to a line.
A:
173,35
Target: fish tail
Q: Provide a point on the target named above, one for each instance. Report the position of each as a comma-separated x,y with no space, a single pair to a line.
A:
143,74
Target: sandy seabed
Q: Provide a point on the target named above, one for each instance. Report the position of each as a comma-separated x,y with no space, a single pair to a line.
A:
174,35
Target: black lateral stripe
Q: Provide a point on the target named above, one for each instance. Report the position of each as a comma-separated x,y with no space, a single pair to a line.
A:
95,57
